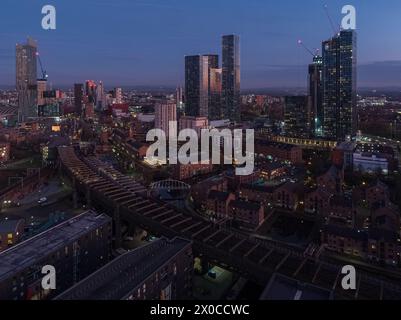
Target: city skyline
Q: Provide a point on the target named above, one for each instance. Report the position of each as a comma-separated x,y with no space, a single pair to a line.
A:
122,54
212,152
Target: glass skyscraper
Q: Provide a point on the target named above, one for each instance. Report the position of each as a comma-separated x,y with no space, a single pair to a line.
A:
215,110
231,78
339,85
213,86
26,79
315,91
196,86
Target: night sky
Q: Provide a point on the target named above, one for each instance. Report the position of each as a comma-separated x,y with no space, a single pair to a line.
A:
143,42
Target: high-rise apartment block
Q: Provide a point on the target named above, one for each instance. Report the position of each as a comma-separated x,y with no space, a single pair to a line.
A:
197,86
26,77
296,117
315,92
339,85
231,78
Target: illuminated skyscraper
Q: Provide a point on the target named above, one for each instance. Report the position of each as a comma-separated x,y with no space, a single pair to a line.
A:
100,97
90,90
315,91
213,86
26,77
339,85
231,77
215,110
197,86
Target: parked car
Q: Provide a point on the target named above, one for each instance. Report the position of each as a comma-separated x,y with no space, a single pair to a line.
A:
42,200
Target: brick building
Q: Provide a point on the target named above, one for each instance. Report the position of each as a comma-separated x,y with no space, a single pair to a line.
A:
289,196
317,201
248,214
279,151
76,248
161,270
218,203
332,180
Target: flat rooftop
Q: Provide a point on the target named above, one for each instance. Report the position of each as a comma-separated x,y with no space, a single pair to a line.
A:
33,250
118,278
281,287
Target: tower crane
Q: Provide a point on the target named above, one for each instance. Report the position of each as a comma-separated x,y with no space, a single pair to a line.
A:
300,42
326,10
44,73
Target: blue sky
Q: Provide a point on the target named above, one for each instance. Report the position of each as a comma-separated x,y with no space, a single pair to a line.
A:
143,42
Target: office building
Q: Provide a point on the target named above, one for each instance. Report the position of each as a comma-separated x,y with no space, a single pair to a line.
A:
297,117
339,85
371,163
42,87
89,110
100,97
78,97
195,123
26,77
343,154
161,270
231,78
164,113
51,104
215,87
75,248
90,90
196,86
118,95
315,91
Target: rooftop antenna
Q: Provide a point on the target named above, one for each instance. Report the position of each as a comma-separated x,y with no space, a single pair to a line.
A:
326,9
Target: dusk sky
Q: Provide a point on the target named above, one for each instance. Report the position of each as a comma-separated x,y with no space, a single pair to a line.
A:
143,42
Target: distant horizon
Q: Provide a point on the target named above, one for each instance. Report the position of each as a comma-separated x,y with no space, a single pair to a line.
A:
361,84
173,88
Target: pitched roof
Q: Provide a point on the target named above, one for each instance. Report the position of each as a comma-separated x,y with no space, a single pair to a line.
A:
218,195
247,205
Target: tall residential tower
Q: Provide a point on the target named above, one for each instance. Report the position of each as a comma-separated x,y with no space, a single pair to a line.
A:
339,85
197,86
26,77
231,78
315,92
